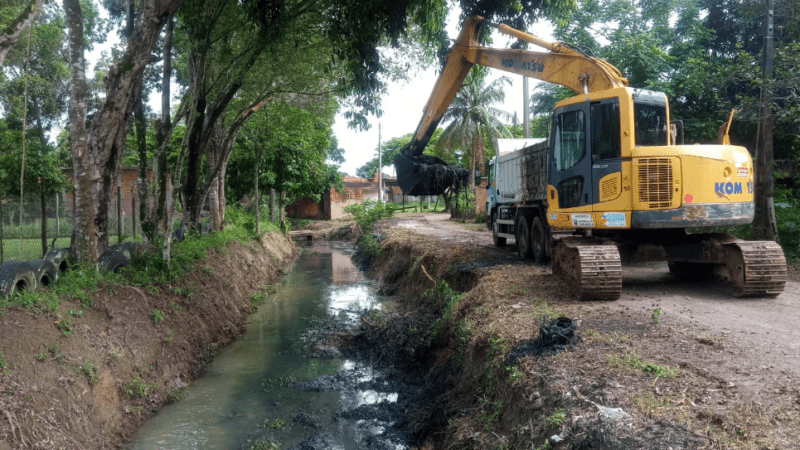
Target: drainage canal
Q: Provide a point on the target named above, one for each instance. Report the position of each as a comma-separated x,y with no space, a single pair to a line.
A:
264,392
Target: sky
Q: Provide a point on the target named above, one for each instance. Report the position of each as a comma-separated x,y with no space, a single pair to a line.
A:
402,107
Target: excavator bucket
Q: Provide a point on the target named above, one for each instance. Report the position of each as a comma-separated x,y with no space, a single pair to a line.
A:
428,175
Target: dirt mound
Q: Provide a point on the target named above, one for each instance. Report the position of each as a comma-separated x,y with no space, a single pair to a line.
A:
89,384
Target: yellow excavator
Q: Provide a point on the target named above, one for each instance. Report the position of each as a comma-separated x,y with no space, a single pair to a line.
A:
612,184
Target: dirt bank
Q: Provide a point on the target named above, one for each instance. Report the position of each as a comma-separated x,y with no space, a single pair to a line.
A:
672,364
91,384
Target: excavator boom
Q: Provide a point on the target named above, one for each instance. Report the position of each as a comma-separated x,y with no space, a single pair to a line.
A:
426,175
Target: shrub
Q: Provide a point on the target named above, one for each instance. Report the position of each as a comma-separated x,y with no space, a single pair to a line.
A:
369,212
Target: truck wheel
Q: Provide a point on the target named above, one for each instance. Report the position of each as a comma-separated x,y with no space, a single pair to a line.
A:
538,240
524,238
498,241
16,276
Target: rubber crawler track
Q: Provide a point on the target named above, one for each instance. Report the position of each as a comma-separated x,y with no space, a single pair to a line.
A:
593,272
762,271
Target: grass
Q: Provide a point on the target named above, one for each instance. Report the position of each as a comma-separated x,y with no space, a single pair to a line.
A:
31,248
631,361
80,282
157,315
556,418
135,388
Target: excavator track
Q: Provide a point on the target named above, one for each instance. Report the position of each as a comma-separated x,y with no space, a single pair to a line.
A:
755,268
592,271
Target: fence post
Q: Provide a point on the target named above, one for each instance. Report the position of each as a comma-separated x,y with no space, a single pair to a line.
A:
119,213
44,217
133,213
58,218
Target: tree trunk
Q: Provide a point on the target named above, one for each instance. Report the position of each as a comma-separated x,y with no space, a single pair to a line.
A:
109,127
273,212
281,205
83,245
10,35
764,222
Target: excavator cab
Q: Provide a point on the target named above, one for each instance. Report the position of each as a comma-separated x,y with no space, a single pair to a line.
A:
590,154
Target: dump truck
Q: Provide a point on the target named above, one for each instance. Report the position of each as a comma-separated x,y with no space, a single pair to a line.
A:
614,182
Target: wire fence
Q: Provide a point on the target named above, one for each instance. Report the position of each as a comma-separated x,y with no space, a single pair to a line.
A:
42,223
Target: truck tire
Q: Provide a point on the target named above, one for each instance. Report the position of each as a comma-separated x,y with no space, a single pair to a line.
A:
524,238
498,241
44,271
538,240
59,257
16,276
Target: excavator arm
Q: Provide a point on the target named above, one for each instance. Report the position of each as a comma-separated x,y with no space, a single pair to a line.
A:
420,174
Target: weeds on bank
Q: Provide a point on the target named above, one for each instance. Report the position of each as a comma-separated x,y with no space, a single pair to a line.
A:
443,296
556,418
88,368
157,315
265,444
3,363
275,424
631,361
540,308
366,214
135,388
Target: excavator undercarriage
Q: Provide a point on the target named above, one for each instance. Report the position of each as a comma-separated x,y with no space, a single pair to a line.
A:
591,266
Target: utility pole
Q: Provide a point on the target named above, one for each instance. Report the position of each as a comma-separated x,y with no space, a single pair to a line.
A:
526,121
380,166
764,224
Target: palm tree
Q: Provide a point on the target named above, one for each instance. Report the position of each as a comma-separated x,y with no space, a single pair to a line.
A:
474,117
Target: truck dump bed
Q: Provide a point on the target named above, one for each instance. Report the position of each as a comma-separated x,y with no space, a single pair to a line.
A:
522,175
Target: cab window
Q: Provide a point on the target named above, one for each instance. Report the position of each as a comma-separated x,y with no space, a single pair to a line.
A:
605,130
651,124
569,139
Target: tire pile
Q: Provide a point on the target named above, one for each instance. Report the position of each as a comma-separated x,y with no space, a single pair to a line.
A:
29,276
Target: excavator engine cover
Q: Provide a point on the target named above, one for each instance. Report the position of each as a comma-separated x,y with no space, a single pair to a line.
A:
428,175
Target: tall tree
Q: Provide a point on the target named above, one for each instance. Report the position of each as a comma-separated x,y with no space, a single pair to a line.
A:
15,15
84,238
473,118
98,150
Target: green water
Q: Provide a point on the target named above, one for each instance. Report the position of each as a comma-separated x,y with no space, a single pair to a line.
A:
242,397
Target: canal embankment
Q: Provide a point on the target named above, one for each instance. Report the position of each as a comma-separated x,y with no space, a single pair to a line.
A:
88,371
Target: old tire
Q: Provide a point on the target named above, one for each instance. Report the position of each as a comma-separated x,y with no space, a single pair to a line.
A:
16,276
59,257
524,238
538,240
44,271
498,241
114,258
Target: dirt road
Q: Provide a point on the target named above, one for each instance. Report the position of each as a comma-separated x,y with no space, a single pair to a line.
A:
760,336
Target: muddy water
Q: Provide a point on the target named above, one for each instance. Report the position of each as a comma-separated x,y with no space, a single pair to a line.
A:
247,397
